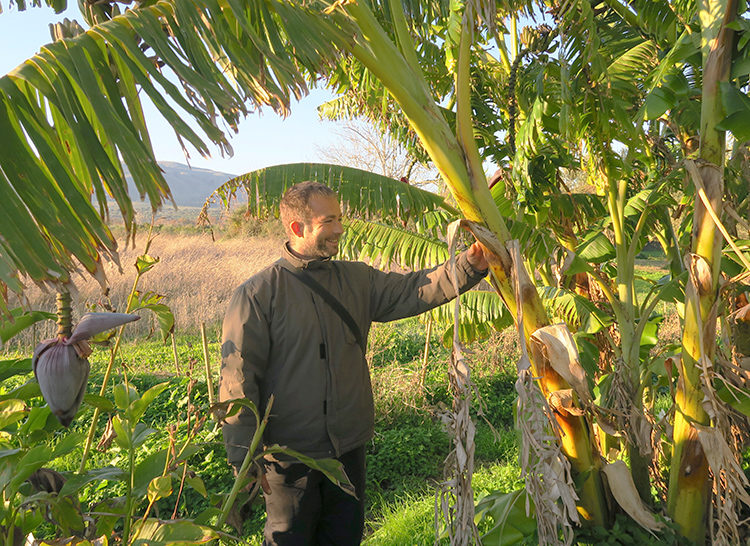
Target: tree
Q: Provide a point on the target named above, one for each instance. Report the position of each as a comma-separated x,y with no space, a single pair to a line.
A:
363,146
425,71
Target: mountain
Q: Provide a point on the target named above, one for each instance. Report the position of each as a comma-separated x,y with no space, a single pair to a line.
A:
190,186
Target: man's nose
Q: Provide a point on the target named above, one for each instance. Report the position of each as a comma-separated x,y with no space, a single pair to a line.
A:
338,227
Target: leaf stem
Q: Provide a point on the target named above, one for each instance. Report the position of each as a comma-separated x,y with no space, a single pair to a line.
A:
246,464
129,494
112,355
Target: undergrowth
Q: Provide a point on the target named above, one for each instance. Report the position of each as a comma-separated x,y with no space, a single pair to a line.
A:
405,458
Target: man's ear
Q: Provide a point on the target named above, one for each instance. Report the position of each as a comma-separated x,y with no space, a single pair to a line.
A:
298,228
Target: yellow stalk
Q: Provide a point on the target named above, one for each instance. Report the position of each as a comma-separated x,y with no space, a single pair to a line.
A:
459,163
689,497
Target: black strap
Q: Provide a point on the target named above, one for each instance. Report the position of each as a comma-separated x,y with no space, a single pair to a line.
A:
330,299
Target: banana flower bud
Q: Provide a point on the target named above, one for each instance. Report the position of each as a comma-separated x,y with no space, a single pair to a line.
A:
61,364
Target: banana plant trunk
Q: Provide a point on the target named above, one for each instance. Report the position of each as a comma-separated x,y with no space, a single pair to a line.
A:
689,497
625,310
456,157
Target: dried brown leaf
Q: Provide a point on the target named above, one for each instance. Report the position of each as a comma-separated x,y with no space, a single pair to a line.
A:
743,313
721,459
556,345
624,491
563,402
700,272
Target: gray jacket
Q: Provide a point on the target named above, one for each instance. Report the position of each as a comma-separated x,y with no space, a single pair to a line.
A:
282,338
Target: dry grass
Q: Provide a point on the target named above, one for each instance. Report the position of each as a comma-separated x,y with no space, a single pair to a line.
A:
196,276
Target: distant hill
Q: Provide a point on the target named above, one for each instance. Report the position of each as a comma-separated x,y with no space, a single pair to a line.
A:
190,186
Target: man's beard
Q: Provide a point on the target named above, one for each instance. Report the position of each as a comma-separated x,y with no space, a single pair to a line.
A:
323,249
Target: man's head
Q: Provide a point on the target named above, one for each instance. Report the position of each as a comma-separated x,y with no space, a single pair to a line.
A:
311,216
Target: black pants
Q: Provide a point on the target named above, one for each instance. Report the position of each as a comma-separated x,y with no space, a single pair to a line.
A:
305,508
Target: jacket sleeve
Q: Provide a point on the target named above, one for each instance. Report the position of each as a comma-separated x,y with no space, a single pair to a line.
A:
244,356
395,295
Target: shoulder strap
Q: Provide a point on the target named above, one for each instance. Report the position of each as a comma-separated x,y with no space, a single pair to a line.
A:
330,299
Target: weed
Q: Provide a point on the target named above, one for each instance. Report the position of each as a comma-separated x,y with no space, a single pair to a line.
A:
410,520
408,450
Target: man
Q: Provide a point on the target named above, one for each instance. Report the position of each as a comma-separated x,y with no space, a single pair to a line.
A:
285,338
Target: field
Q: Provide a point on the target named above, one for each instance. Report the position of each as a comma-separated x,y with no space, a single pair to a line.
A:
405,459
195,275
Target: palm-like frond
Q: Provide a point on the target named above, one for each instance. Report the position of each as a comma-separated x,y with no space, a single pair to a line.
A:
579,313
362,193
598,53
658,21
481,313
387,245
669,72
71,116
361,95
628,71
587,206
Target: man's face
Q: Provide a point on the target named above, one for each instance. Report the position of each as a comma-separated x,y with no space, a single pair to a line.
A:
322,231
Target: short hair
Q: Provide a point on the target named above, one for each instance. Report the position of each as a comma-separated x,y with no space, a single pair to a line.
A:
295,204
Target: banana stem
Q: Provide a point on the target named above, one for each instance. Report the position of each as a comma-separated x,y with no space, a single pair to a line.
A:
64,314
689,497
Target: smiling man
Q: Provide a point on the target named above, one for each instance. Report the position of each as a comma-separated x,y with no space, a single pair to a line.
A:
298,331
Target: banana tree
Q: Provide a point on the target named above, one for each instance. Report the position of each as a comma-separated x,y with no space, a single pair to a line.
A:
695,84
67,138
618,62
630,214
225,55
690,487
455,154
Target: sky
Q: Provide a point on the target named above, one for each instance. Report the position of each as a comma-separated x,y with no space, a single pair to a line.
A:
263,139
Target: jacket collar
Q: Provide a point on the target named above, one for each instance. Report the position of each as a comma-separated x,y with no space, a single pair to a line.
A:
302,262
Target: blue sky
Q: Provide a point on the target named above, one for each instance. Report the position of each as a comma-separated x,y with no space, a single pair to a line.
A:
263,139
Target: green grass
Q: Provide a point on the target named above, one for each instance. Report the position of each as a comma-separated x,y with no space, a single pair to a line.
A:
410,518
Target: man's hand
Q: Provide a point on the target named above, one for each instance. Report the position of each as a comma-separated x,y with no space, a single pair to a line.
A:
475,256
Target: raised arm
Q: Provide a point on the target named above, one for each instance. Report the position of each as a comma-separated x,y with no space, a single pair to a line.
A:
396,295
